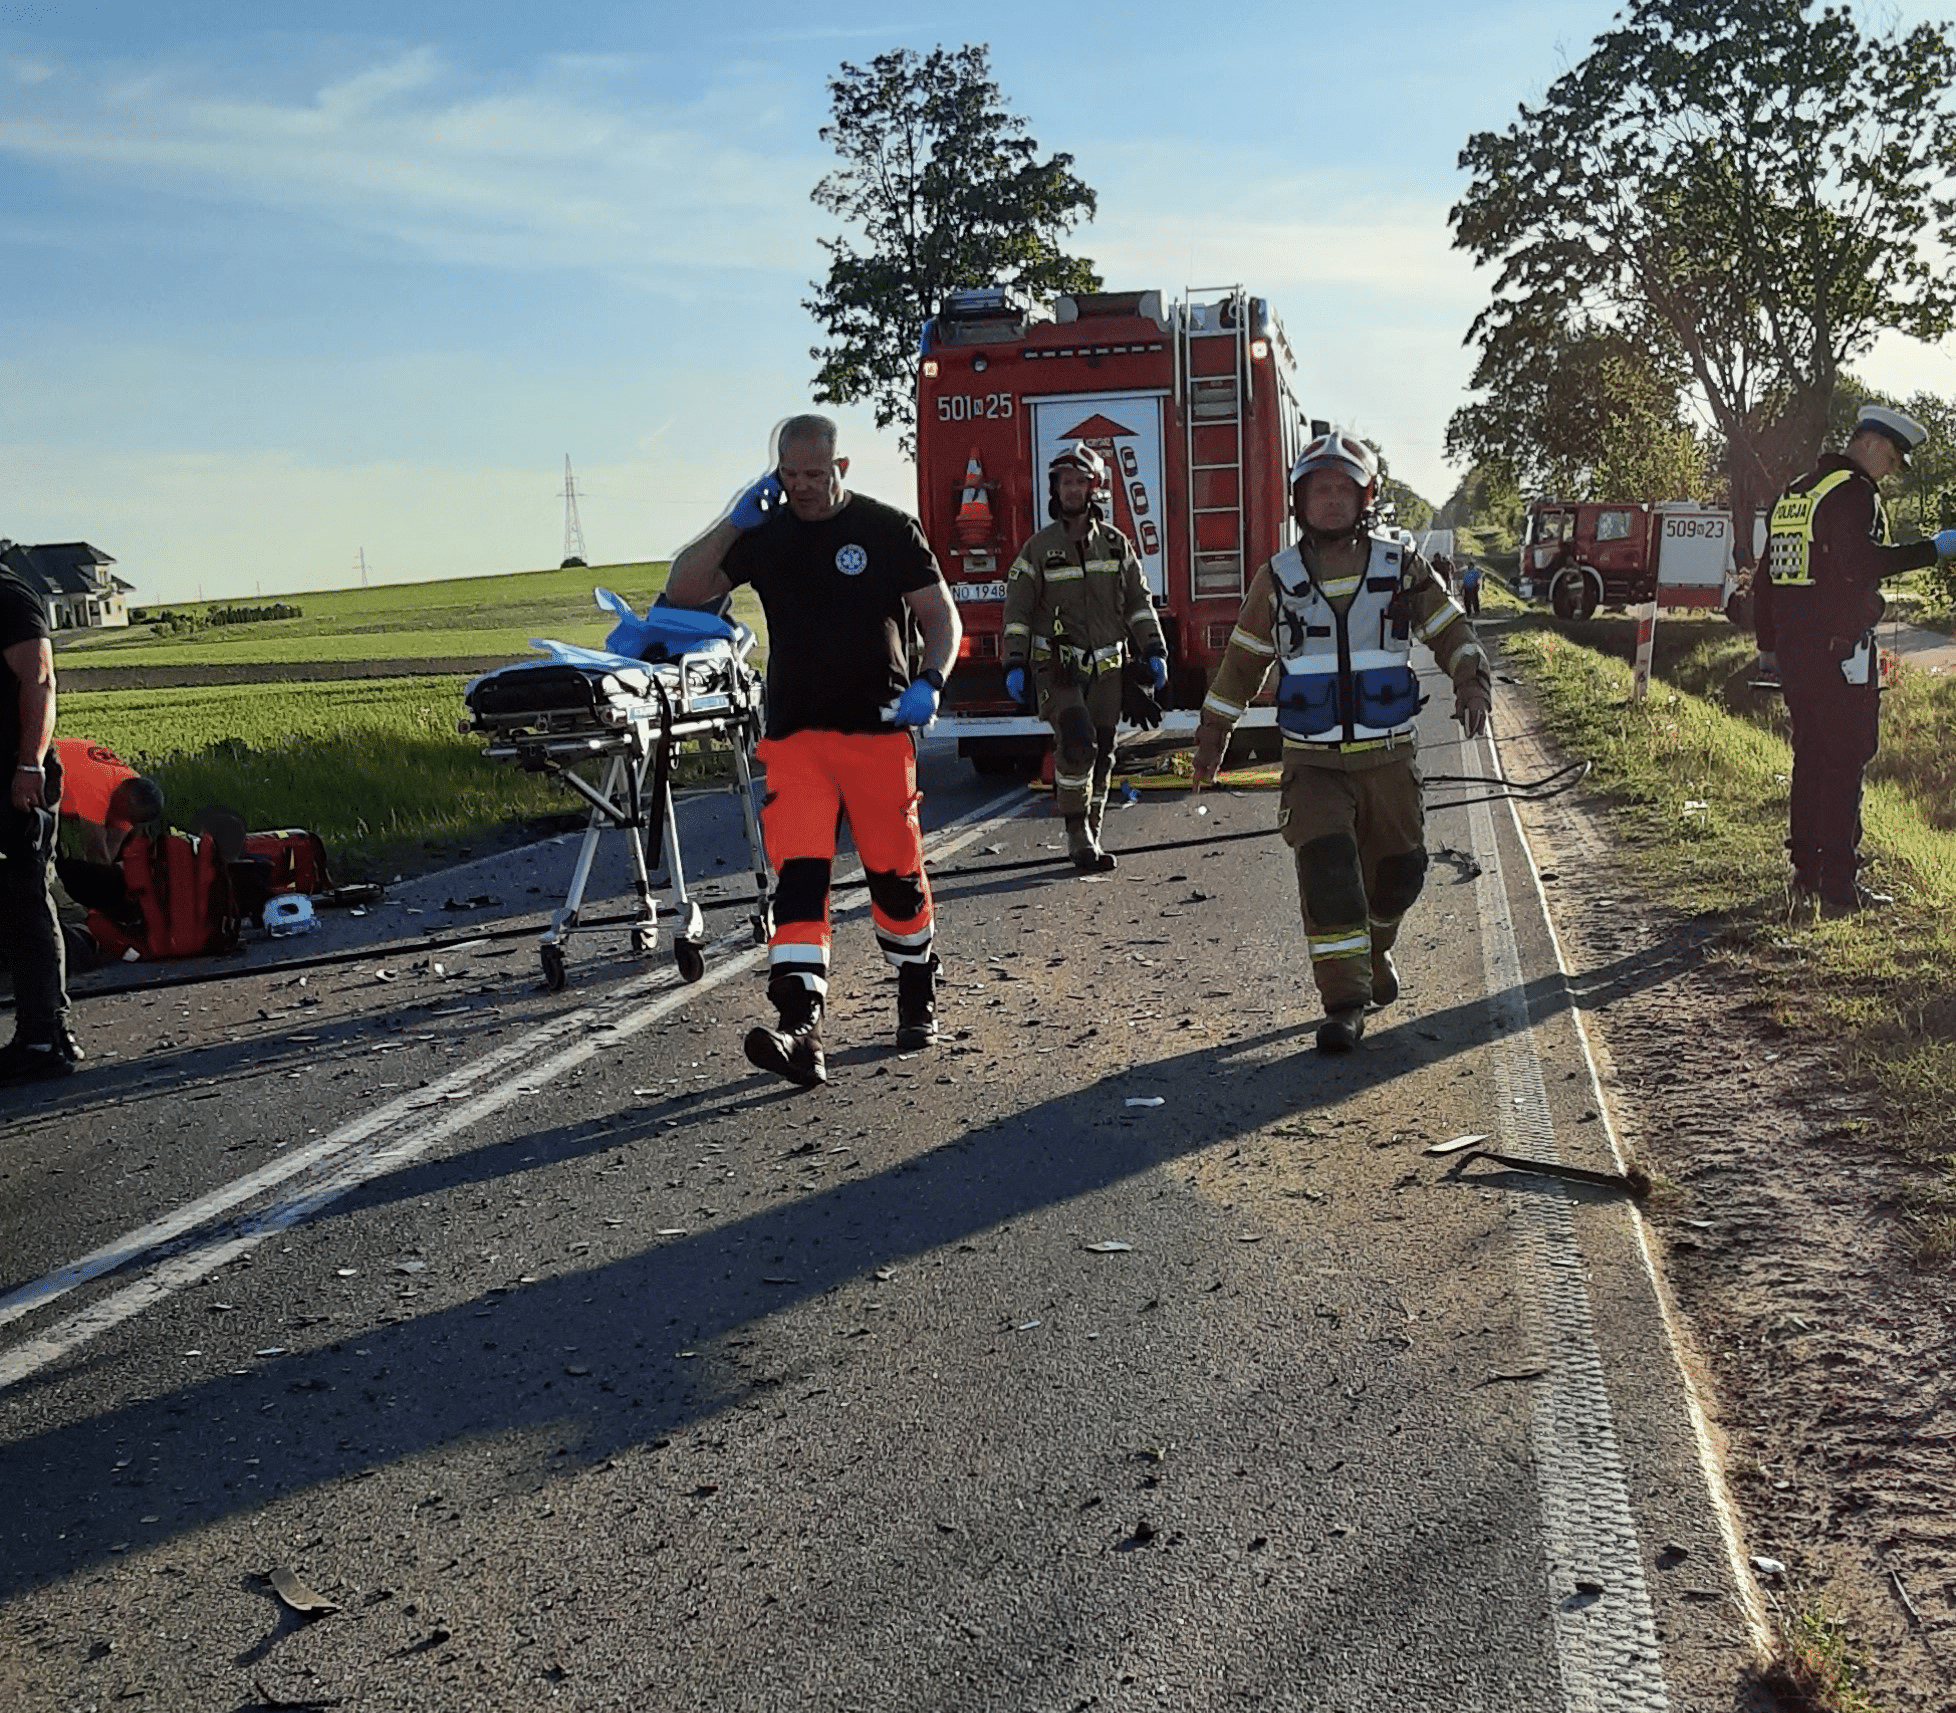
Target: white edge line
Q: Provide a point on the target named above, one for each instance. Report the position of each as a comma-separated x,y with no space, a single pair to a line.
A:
175,1273
1711,1463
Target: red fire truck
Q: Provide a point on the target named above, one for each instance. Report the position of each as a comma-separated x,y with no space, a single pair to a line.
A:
1190,404
1615,554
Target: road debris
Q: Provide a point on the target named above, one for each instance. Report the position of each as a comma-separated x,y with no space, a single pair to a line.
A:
1146,1100
1770,1568
1110,1246
308,1602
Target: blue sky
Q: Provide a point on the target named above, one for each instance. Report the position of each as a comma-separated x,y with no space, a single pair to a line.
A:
276,293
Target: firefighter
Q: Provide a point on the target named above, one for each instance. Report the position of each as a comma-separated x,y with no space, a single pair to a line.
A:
1827,550
841,577
1337,614
1079,618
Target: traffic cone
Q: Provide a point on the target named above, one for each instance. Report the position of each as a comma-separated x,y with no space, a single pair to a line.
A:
973,525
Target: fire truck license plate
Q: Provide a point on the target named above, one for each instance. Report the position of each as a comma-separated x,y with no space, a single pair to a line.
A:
962,592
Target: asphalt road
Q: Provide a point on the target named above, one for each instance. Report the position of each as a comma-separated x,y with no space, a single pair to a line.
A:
1119,1352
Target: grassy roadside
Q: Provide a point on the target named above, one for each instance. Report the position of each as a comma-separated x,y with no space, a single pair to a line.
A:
1697,790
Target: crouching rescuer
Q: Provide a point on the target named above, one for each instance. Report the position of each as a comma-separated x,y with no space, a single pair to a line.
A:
841,578
1338,615
1079,617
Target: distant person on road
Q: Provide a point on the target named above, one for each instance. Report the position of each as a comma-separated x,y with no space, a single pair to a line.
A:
1337,615
1079,619
841,578
1470,589
1817,602
1445,569
43,1044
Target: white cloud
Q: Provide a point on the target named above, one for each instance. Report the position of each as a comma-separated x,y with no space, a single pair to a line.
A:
549,174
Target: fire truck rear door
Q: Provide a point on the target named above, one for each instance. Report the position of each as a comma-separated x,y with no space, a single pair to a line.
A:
1125,429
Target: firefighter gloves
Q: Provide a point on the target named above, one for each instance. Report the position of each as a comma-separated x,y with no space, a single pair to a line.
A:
1472,703
757,504
1015,685
1158,670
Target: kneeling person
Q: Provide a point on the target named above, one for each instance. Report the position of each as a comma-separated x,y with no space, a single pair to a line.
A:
840,577
1337,615
1077,610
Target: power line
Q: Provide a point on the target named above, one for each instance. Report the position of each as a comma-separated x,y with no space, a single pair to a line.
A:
574,553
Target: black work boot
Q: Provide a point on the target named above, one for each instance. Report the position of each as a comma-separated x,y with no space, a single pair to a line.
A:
1385,978
1084,849
24,1061
917,1004
793,1048
1341,1031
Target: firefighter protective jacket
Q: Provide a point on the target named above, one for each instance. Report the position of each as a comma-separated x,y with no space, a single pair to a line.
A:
1090,593
1827,551
1339,626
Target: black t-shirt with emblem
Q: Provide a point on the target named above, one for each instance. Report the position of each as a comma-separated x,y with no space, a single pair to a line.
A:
838,629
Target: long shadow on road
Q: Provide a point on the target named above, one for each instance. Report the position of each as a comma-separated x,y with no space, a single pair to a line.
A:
317,1417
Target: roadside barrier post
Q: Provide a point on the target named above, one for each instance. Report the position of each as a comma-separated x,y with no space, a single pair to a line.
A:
1646,645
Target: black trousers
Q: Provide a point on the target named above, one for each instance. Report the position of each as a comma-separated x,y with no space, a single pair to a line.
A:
29,930
1836,730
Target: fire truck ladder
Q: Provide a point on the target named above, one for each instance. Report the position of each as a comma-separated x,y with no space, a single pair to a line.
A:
1212,360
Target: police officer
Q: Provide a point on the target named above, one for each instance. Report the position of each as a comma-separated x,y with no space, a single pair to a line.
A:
1827,550
1077,610
842,578
1337,615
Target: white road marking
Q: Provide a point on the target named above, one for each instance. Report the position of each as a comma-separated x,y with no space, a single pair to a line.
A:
357,1152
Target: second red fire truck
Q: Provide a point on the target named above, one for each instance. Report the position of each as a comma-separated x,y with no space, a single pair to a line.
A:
1190,404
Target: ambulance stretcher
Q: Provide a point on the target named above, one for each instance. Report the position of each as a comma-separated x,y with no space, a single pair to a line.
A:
582,705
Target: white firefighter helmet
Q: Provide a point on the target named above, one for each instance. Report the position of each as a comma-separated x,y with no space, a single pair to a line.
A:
1082,457
1346,454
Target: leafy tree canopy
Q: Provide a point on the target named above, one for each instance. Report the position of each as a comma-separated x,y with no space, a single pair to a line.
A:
1754,185
946,189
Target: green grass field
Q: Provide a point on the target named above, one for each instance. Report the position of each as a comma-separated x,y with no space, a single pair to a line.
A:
375,767
465,618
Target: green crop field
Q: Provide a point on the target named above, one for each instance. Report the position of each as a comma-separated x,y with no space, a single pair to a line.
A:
375,767
481,618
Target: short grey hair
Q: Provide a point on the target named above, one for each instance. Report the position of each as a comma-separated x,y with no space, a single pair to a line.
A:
809,426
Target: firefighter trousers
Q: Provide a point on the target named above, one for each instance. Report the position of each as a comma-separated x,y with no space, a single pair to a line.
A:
1084,717
1836,730
1358,836
814,779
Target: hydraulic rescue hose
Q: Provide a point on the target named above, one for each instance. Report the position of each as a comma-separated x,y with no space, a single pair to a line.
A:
1527,791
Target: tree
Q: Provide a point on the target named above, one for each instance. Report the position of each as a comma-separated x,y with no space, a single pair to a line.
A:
1581,413
1746,183
948,190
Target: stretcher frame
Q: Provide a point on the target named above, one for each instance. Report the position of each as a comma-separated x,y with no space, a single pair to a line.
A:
635,736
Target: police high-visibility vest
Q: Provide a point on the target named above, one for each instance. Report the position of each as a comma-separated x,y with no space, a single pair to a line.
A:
1345,678
1789,535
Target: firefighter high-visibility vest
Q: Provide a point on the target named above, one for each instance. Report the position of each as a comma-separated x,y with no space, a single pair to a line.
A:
1789,534
1345,678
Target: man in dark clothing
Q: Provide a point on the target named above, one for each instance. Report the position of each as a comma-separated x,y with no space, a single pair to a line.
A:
1818,601
841,578
43,1045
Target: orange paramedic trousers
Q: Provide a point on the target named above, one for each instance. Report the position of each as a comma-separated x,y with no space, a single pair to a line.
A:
814,778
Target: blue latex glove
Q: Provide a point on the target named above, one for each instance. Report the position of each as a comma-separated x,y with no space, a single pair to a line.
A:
757,504
917,706
1946,544
1159,667
1015,683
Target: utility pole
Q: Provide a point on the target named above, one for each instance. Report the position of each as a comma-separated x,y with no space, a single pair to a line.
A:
360,565
573,527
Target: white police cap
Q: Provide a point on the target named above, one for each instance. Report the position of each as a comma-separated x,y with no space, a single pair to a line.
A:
1904,431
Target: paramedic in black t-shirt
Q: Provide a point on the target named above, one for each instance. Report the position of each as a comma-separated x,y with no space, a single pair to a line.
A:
43,1044
842,579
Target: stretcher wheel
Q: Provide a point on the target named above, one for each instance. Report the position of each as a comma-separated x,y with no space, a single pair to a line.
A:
555,976
644,939
690,958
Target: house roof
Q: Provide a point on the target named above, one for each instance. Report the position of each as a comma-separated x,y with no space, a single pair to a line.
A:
61,567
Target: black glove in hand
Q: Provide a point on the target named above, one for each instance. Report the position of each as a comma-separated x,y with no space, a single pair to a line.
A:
1138,705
